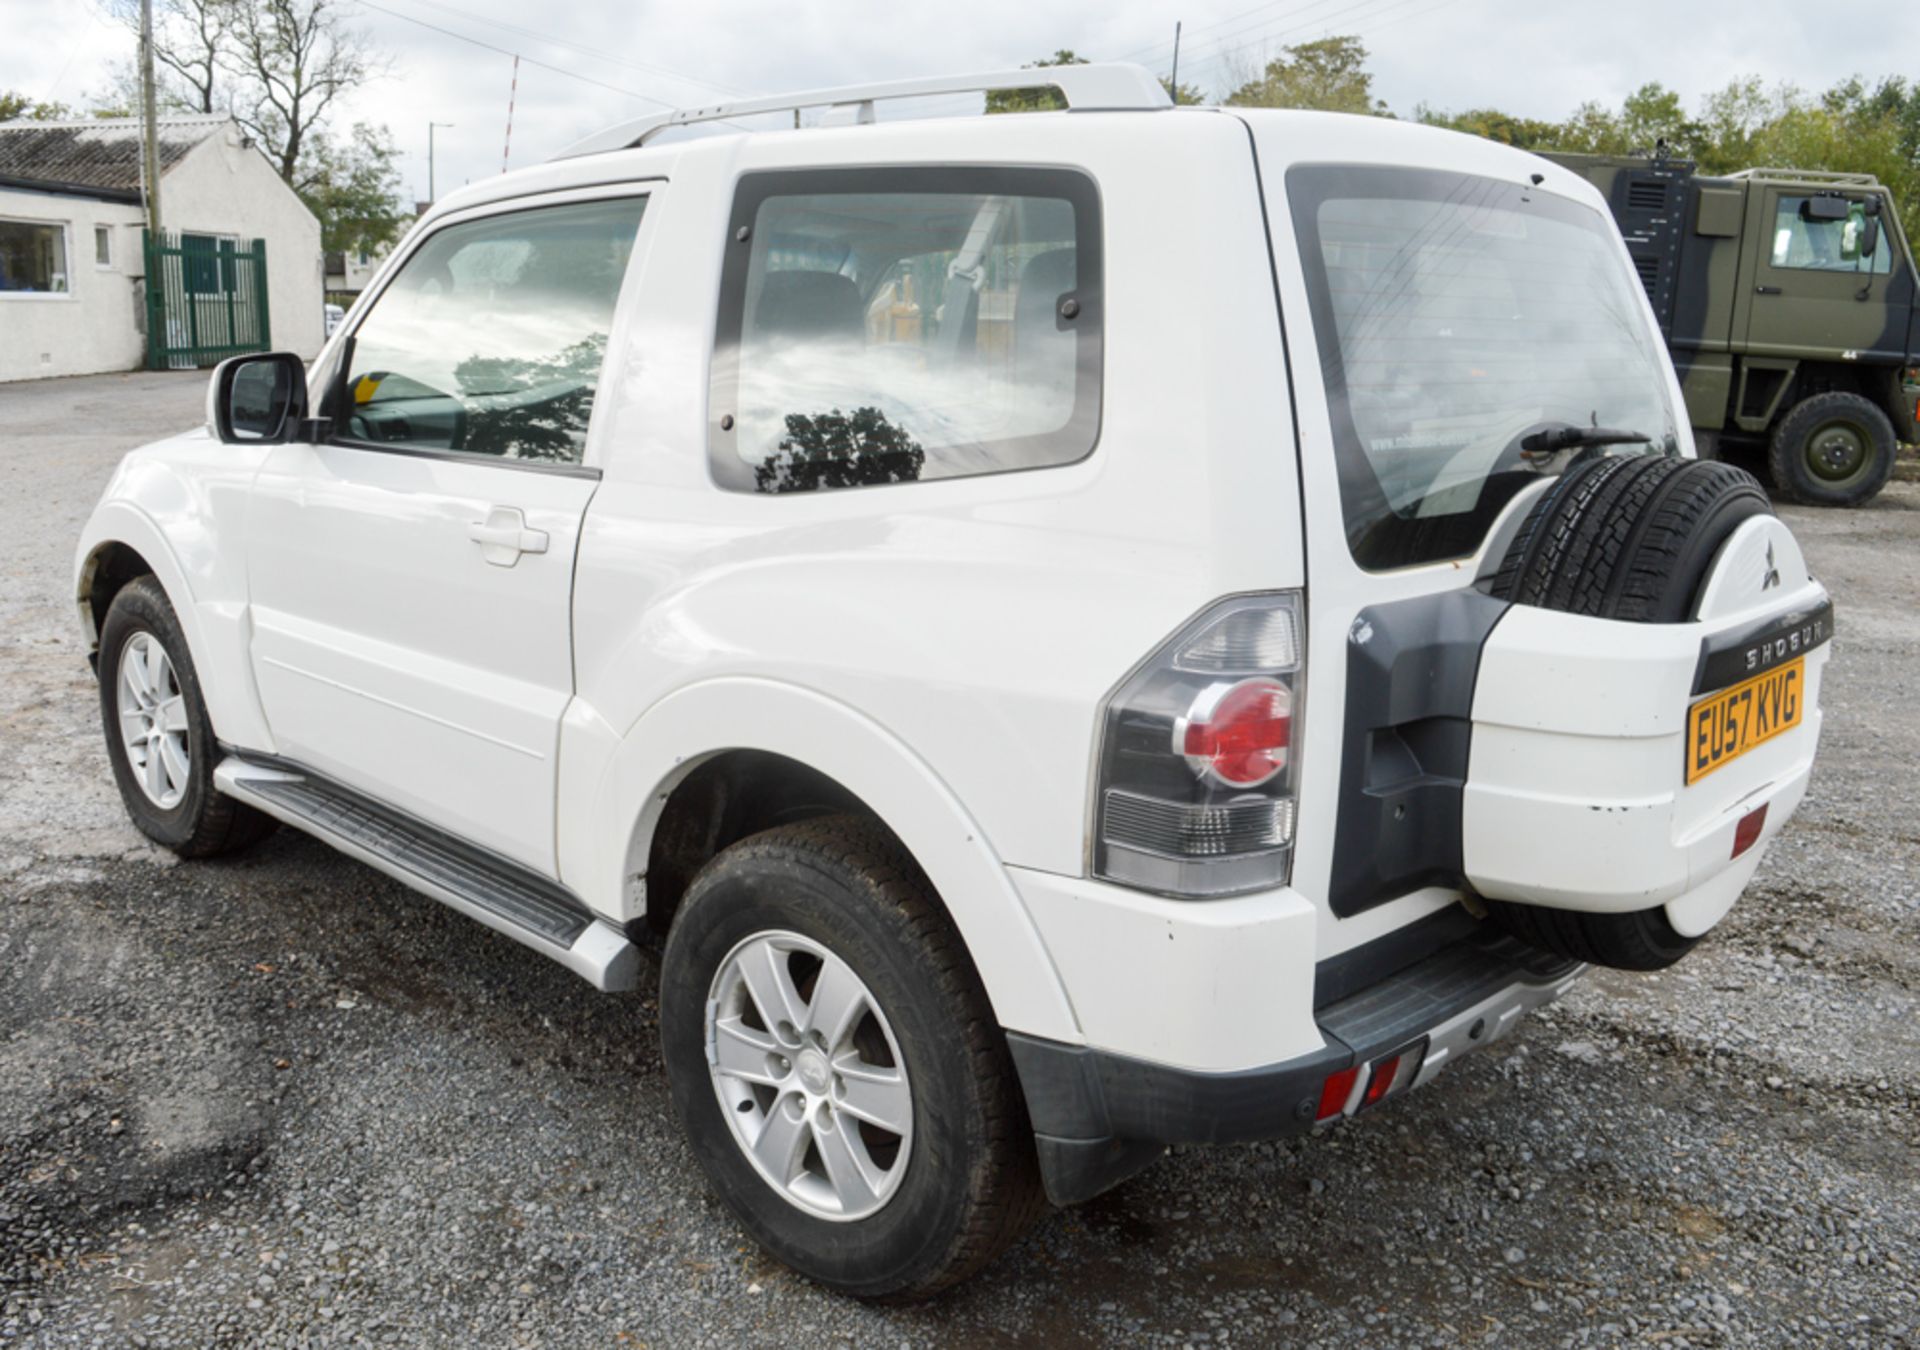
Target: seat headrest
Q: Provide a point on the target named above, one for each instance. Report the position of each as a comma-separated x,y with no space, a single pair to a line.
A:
809,304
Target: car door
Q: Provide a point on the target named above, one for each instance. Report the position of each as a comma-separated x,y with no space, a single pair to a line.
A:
411,578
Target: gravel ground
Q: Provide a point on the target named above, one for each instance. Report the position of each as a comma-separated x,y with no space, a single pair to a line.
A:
280,1100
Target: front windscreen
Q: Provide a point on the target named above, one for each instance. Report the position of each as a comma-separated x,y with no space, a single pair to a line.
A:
1474,335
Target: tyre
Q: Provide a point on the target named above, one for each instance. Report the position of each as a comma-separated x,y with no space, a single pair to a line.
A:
159,738
1833,449
1630,538
835,1065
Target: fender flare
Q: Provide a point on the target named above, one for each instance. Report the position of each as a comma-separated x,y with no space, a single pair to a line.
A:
234,711
119,522
699,721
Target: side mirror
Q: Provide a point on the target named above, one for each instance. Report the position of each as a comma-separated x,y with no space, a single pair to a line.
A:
1869,237
257,398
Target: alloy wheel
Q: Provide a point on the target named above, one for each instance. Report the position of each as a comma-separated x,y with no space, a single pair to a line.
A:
153,721
809,1075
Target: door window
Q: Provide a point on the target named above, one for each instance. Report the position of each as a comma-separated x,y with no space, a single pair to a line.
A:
897,325
1809,238
489,342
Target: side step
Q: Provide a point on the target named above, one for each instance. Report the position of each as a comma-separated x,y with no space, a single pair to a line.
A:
506,897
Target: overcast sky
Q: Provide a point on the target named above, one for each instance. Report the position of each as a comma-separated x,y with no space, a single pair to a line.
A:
1527,57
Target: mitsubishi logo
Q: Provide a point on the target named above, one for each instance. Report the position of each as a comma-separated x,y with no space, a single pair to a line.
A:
1772,577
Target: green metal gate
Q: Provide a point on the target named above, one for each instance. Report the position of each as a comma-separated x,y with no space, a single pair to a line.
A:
206,299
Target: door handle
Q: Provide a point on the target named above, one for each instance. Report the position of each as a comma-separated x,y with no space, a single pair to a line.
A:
503,536
1766,290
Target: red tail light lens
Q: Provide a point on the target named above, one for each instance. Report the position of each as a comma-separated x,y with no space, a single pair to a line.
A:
1195,790
1242,738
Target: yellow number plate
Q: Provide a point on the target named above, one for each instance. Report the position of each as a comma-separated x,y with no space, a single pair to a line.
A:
1730,723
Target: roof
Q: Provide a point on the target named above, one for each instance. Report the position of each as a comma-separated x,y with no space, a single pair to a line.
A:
97,158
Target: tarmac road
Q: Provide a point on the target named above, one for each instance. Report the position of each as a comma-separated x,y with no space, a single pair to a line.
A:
281,1100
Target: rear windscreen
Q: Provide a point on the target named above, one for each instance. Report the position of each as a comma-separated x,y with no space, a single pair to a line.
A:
1457,319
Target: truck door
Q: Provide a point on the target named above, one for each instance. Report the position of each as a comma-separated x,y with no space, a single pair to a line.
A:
1816,294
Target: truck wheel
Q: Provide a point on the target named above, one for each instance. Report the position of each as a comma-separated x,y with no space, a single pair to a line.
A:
159,737
1832,449
836,1067
1629,538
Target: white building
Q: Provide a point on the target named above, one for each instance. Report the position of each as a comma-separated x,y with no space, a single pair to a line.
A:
72,271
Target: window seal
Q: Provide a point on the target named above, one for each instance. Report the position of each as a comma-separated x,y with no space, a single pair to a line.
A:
469,457
727,471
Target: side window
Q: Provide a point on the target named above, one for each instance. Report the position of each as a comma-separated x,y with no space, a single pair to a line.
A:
1809,236
490,340
903,324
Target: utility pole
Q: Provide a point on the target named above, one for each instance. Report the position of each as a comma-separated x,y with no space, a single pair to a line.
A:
151,132
432,196
1174,79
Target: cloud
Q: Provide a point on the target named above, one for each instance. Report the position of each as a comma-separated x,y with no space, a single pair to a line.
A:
1538,60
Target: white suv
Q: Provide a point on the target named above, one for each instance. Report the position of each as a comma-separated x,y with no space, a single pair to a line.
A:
1069,633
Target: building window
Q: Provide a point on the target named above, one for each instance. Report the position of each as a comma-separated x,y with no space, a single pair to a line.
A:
103,246
33,257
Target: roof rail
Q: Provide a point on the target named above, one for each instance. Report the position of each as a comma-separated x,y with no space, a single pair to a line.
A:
1812,176
1109,86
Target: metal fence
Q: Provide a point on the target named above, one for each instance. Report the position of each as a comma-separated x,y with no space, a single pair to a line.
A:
206,299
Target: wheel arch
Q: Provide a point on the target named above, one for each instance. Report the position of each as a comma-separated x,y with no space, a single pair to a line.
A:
119,538
809,753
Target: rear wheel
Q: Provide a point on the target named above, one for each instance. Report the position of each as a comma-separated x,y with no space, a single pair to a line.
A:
836,1067
1834,449
1629,538
159,737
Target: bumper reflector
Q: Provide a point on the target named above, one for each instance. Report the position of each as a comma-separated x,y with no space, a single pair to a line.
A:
1333,1097
1748,830
1380,1079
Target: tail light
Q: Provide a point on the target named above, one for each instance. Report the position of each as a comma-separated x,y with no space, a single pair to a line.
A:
1195,789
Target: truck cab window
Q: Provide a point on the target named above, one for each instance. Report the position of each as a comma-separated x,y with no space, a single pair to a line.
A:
1804,241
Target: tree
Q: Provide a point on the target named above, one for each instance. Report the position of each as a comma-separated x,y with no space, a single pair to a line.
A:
353,186
836,449
292,60
1187,93
1523,133
1329,74
1042,99
190,39
16,106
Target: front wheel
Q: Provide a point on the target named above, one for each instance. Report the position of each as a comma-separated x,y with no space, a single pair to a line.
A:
1834,449
835,1065
159,737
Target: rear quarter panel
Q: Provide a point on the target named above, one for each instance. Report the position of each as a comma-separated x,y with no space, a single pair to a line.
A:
975,623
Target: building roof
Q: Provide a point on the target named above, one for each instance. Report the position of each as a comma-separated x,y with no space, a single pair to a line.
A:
96,158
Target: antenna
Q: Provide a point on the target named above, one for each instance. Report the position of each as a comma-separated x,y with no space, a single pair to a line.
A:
512,91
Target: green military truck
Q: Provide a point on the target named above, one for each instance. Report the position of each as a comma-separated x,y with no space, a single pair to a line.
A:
1788,300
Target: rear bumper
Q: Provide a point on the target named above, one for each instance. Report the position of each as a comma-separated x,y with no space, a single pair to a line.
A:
1098,1117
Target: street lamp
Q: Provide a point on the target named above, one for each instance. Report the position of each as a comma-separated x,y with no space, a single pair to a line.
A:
432,196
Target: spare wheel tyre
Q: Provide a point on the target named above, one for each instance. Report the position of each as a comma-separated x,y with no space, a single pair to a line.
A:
1630,538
